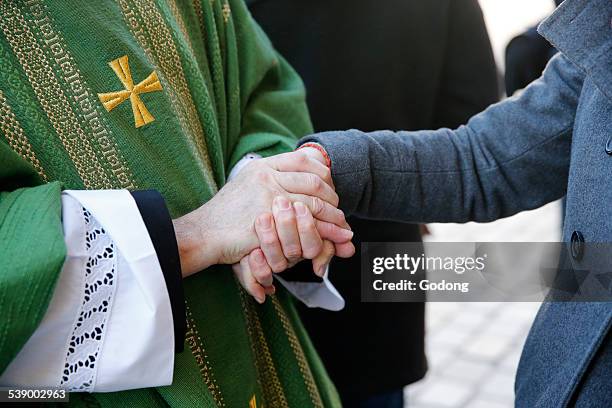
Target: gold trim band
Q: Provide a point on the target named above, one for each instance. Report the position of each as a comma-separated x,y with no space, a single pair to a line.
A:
16,137
309,381
192,336
273,393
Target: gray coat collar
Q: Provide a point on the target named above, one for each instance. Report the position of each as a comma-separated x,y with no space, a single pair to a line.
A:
582,31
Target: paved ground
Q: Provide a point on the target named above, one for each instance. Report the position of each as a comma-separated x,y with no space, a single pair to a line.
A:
474,348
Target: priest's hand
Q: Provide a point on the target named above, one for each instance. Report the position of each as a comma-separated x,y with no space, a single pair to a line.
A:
222,230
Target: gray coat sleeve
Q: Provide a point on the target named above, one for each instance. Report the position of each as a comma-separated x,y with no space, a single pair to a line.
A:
513,156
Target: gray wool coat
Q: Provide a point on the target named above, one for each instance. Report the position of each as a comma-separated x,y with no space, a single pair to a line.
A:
554,139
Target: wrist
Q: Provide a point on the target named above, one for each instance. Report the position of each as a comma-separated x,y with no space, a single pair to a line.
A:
318,151
196,249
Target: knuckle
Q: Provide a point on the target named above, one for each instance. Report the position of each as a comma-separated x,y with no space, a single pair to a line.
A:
286,219
257,273
307,226
325,228
301,158
285,223
293,252
279,266
263,177
319,185
268,240
263,275
317,206
313,251
315,182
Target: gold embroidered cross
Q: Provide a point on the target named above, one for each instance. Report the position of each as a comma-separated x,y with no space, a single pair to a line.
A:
112,99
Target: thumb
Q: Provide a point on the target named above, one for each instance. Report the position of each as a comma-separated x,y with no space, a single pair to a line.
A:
320,262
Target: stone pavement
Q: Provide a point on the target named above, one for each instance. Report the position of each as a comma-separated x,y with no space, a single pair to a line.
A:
474,348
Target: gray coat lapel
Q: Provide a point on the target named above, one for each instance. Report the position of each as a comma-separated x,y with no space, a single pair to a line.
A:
582,31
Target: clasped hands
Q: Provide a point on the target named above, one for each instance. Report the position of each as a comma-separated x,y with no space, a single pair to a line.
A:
274,213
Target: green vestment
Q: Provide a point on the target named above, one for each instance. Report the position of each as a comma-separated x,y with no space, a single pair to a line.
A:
75,113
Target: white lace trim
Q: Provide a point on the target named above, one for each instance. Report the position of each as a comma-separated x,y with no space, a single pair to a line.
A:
80,368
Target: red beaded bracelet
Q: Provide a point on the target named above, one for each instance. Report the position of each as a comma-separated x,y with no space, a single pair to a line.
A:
321,149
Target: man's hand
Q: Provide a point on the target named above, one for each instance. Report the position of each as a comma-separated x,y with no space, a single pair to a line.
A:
222,230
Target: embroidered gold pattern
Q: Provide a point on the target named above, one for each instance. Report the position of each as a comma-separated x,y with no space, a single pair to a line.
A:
227,11
110,100
197,8
10,126
315,397
64,95
273,392
152,33
181,24
215,64
199,352
49,93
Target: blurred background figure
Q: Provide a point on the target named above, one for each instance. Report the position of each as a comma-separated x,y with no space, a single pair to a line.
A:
526,56
432,64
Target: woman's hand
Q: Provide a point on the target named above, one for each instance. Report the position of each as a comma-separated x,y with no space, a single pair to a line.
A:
287,235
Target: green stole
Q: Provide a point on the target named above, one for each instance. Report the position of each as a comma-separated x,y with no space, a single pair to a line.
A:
145,94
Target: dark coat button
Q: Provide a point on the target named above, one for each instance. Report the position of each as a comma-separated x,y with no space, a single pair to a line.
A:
609,146
577,245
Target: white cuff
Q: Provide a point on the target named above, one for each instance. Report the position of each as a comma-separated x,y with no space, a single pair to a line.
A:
109,324
315,294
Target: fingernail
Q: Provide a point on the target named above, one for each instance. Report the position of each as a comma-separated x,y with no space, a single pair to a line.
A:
258,257
300,209
346,234
283,203
265,221
260,299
